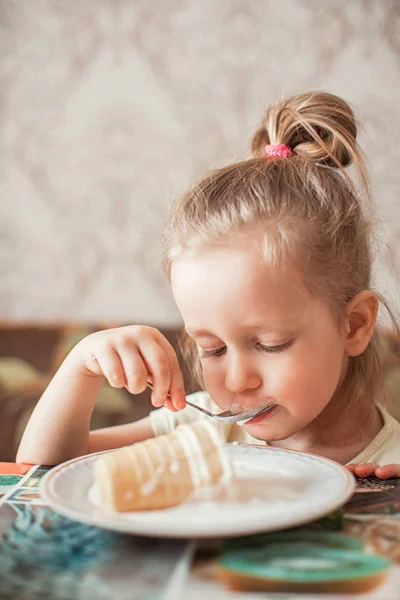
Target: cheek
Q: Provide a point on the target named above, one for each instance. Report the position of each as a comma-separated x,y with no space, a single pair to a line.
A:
212,374
308,373
214,382
329,362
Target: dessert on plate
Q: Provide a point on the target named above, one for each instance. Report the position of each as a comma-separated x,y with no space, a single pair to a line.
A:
165,470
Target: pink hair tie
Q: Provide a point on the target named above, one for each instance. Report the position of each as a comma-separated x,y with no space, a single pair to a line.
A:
278,150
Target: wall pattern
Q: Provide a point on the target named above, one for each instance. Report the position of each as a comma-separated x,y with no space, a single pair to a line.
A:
109,108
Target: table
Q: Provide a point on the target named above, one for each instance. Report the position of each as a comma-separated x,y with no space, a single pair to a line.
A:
44,555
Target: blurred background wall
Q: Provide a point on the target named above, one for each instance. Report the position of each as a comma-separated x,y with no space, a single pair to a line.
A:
108,109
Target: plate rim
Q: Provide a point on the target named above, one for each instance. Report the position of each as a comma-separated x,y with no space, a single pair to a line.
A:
106,522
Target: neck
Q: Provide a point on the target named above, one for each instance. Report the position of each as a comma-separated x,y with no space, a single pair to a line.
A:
340,432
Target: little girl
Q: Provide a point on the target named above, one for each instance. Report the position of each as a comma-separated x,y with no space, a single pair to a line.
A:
270,265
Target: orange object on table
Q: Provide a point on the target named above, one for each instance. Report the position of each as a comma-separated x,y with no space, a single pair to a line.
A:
9,468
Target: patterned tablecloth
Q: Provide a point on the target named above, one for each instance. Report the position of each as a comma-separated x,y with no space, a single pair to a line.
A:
46,556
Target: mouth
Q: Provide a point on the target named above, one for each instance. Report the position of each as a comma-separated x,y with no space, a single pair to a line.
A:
263,417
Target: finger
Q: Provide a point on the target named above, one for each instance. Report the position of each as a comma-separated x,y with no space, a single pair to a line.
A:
388,471
168,404
177,387
135,369
157,365
351,467
93,365
366,470
111,367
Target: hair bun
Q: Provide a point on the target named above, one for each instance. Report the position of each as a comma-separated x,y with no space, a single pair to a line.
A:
317,125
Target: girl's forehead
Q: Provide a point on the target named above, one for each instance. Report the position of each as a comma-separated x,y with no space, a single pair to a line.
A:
238,279
244,264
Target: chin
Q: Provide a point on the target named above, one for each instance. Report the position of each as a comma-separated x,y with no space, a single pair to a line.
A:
256,432
271,432
265,434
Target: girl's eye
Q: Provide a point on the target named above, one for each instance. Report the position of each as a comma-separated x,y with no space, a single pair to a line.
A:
278,348
210,353
221,351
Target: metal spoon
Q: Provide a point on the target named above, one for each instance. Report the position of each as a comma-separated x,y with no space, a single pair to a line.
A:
228,416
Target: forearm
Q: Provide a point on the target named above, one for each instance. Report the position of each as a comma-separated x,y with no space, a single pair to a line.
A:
59,426
120,435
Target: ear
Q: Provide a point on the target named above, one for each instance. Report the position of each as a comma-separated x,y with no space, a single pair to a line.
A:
361,313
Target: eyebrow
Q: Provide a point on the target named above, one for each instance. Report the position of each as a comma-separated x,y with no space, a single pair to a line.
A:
256,328
198,332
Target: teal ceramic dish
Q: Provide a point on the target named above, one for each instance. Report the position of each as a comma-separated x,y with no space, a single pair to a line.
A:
295,537
301,561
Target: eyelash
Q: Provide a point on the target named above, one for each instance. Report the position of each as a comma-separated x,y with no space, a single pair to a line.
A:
221,351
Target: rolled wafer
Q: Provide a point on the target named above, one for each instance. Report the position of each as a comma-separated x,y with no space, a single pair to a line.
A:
163,471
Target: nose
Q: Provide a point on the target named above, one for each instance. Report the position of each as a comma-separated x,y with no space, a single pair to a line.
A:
241,375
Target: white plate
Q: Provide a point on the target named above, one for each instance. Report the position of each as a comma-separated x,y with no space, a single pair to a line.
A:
285,489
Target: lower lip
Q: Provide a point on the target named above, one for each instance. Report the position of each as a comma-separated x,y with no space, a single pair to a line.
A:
261,418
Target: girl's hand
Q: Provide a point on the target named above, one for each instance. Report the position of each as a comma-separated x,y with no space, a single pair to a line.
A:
372,469
129,357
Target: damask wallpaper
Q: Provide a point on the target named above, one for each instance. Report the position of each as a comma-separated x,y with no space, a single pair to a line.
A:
108,109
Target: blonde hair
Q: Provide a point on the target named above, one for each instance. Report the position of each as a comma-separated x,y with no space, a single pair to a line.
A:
308,206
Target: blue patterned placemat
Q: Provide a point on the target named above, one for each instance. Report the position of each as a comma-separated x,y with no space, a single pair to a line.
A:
47,556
